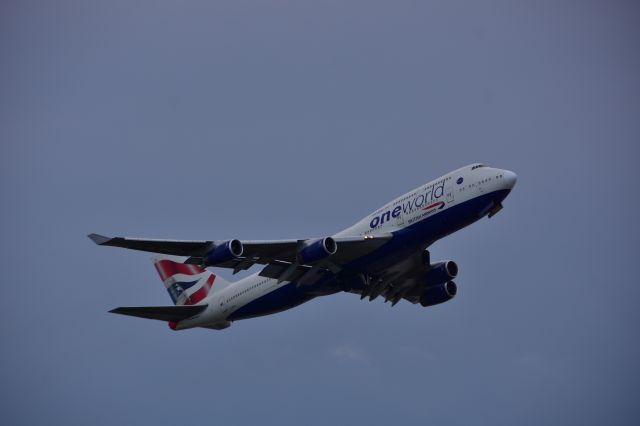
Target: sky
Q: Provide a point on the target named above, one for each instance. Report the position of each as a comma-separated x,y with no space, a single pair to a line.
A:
292,119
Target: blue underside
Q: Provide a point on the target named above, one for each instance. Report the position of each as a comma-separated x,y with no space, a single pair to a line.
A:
405,242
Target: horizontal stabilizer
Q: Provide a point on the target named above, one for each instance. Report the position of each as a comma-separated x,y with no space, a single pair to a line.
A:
162,313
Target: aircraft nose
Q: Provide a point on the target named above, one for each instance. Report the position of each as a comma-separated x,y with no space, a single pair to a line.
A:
510,178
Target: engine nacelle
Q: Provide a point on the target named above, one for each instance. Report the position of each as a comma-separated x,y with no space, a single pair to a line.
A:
317,250
438,294
224,252
441,272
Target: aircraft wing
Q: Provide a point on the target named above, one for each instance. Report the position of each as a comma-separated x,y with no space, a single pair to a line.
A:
279,255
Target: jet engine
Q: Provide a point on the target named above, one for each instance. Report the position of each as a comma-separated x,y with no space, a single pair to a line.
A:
438,294
441,272
317,250
224,252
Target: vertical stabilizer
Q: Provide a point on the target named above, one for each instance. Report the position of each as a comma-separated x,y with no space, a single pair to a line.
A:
186,284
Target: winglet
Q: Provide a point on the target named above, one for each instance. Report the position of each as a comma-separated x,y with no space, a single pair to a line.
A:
99,239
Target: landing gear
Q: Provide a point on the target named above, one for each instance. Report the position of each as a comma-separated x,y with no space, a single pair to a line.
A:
495,209
426,258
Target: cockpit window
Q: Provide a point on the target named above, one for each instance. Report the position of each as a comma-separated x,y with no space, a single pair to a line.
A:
477,166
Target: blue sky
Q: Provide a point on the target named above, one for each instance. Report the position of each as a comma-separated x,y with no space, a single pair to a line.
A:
278,119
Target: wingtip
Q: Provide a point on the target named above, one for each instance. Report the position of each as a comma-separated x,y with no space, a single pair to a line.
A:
98,239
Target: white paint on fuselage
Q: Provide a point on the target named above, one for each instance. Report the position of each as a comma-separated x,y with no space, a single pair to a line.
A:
477,180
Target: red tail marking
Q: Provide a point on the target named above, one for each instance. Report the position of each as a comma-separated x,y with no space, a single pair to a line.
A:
168,268
201,292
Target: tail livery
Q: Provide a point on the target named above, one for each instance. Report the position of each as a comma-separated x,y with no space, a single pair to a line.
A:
186,284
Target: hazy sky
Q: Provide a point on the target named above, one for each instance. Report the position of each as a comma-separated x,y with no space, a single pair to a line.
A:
292,119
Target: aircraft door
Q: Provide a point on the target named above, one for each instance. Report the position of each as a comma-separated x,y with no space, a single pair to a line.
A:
400,221
449,193
222,305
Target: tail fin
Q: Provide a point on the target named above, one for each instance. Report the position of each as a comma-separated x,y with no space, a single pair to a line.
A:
186,284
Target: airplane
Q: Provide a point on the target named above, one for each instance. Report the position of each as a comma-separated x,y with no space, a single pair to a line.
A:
383,255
